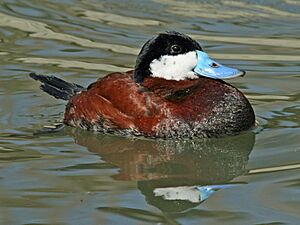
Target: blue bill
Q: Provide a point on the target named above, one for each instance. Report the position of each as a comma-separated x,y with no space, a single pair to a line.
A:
210,68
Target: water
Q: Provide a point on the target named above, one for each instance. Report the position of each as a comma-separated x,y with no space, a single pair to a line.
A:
76,177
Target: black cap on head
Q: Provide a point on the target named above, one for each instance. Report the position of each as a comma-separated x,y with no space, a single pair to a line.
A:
168,43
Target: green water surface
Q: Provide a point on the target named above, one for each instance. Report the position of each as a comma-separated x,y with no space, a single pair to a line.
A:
77,177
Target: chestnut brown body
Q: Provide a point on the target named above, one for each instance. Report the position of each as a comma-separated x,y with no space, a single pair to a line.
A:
157,107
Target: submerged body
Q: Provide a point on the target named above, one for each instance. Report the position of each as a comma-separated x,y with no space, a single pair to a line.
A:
202,107
175,91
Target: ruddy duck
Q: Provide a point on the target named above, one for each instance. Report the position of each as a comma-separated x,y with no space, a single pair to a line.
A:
175,91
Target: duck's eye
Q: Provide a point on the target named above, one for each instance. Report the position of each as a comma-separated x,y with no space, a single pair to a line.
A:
175,49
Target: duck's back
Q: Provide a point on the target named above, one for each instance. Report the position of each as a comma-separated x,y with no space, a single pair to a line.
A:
160,108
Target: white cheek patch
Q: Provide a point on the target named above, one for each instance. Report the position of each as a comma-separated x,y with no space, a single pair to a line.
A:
175,67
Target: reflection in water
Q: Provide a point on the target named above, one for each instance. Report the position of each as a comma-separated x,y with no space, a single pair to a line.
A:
169,163
194,194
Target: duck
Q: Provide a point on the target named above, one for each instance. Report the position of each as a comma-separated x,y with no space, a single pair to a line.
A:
174,91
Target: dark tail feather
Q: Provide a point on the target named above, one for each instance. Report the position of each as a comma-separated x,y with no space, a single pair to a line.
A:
57,87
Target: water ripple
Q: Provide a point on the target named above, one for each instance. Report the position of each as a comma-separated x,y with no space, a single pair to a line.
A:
225,9
113,19
42,30
63,63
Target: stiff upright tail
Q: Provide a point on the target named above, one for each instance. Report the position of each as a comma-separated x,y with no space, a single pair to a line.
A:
56,87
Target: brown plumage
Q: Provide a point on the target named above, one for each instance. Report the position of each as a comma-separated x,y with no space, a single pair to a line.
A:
159,107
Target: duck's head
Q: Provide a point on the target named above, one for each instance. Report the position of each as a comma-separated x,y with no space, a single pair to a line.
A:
176,56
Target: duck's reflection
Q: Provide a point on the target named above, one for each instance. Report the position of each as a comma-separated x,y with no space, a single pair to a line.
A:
158,164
